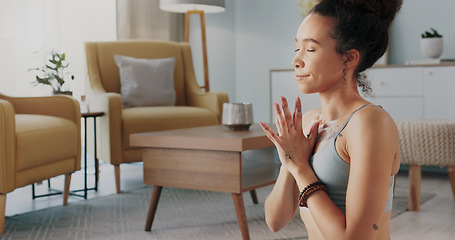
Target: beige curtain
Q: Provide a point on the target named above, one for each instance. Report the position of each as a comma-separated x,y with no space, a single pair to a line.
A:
143,19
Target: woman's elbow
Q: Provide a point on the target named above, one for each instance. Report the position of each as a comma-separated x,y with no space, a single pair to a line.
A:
274,225
277,216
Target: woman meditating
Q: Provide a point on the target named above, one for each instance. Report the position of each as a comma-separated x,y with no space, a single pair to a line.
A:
338,162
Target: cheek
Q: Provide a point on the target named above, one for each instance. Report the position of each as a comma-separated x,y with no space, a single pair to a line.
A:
325,71
328,68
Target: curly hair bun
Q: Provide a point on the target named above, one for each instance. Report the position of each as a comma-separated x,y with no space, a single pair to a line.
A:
362,25
385,9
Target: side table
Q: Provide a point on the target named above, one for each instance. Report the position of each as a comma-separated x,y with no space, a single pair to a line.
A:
85,116
209,158
93,115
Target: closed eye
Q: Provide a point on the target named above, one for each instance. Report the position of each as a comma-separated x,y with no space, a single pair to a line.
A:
296,50
310,50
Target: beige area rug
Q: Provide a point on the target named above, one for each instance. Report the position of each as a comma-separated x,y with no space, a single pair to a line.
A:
181,214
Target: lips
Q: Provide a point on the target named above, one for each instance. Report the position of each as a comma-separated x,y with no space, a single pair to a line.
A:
301,77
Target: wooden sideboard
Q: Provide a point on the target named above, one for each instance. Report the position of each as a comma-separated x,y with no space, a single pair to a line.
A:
404,91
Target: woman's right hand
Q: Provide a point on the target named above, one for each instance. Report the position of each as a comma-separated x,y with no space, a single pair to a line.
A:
293,146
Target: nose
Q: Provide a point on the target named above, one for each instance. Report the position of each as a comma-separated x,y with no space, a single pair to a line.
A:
297,62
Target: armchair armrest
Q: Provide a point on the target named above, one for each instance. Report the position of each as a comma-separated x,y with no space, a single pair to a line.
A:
58,106
7,146
108,102
212,101
110,124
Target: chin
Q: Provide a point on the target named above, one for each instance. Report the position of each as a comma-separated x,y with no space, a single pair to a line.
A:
305,89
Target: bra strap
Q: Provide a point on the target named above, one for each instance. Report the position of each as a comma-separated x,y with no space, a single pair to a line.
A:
349,118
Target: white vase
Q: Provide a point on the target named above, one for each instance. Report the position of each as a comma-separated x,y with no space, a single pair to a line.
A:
431,47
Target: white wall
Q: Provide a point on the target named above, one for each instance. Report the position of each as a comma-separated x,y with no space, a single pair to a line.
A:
265,40
415,17
27,26
221,50
21,34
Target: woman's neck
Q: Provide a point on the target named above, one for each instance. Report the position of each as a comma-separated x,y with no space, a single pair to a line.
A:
338,104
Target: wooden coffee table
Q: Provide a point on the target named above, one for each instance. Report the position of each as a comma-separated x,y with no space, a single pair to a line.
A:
208,158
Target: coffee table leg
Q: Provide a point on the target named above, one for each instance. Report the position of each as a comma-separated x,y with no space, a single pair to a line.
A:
241,216
152,208
254,196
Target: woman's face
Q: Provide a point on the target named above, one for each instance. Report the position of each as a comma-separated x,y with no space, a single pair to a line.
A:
318,67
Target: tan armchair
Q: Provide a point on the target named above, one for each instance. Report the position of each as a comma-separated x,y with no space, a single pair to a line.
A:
193,107
40,138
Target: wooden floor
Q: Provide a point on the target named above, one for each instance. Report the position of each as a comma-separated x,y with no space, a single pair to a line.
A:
436,218
435,221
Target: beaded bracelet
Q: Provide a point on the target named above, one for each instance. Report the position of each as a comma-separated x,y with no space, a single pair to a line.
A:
310,189
306,188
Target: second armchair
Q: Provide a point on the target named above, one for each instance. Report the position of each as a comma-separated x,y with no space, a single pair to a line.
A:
192,107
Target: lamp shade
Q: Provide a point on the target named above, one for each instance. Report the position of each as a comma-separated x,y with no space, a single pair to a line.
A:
182,6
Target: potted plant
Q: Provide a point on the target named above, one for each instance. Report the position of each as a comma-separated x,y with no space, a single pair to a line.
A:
53,73
431,44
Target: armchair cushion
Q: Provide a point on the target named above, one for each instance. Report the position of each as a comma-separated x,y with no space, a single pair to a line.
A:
146,82
37,134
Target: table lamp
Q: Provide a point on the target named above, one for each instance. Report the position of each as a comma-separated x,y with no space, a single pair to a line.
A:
199,7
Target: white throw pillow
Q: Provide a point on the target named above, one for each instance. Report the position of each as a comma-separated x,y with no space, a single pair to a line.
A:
146,82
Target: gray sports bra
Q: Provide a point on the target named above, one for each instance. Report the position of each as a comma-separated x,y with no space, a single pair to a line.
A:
334,171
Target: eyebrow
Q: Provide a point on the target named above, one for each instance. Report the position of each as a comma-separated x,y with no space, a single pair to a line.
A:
310,40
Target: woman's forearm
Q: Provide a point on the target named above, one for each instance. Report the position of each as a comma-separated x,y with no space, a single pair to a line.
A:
281,204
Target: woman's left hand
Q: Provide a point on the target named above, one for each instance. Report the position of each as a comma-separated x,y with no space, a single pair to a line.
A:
293,146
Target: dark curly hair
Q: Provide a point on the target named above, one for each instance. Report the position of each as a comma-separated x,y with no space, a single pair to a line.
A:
363,25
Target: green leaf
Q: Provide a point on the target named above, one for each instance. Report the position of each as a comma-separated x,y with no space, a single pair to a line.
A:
52,72
52,68
433,34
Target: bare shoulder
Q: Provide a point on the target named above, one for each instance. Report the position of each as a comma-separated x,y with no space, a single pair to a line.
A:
372,129
373,117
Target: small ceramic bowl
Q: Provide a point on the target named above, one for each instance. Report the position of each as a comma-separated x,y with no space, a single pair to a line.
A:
237,116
